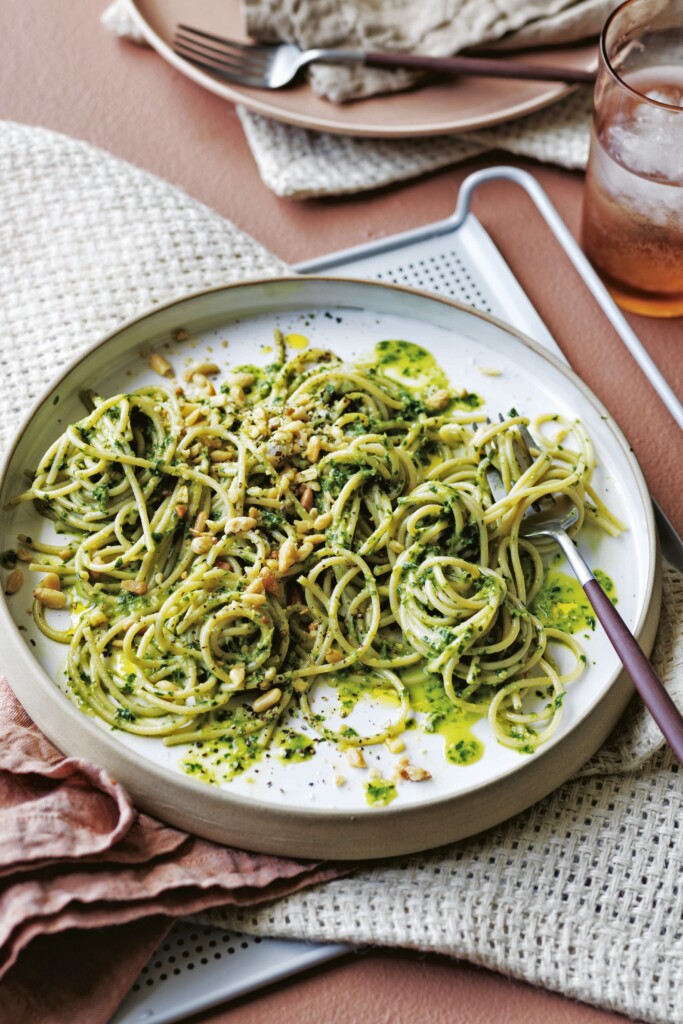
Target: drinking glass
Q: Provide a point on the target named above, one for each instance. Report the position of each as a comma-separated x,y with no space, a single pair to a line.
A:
633,200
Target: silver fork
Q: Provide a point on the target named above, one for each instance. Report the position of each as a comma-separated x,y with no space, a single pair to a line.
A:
554,521
272,67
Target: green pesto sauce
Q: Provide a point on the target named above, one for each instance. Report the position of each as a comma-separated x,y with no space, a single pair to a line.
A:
416,370
380,792
427,695
353,689
218,761
607,584
292,746
562,604
409,365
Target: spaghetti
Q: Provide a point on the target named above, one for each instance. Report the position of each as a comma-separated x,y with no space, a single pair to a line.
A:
312,522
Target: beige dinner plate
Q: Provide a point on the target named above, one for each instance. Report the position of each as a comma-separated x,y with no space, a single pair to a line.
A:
297,808
432,110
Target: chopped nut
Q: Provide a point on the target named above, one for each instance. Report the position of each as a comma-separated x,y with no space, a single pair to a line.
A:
255,600
339,780
180,511
237,675
323,521
160,365
97,618
200,545
332,656
51,581
395,744
183,494
240,524
14,581
438,400
138,587
267,700
50,598
413,773
270,581
300,685
354,755
180,334
256,586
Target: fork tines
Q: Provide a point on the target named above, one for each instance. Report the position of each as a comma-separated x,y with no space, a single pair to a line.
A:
242,63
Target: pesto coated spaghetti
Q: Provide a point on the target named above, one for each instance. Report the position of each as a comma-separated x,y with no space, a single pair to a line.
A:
311,522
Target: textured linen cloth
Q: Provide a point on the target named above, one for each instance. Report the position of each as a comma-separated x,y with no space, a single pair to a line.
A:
580,894
435,28
298,163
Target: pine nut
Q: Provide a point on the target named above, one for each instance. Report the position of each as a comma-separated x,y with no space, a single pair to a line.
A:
323,521
200,545
395,744
255,600
307,498
414,774
206,369
24,555
220,456
267,700
237,675
313,448
287,555
138,587
50,598
160,365
51,581
14,581
354,755
199,523
239,524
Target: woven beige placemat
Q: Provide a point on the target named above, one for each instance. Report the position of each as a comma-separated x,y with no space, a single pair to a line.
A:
298,163
582,894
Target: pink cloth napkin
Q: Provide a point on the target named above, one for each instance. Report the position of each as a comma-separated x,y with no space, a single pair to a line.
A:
89,886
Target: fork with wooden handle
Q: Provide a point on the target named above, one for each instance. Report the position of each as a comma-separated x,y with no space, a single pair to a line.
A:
272,67
554,521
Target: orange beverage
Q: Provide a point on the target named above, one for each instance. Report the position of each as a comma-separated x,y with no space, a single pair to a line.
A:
633,200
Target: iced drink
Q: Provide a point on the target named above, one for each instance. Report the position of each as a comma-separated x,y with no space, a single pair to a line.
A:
633,202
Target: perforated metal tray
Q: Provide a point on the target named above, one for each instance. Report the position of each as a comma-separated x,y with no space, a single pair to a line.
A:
198,966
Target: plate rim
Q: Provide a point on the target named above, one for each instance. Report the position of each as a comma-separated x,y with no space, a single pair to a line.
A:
21,662
556,91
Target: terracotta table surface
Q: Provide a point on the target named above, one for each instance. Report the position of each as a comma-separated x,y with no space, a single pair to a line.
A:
62,70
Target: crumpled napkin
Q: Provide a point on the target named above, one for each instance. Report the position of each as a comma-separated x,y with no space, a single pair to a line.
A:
431,27
75,854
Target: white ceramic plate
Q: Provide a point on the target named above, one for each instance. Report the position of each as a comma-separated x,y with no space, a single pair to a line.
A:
296,808
456,106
